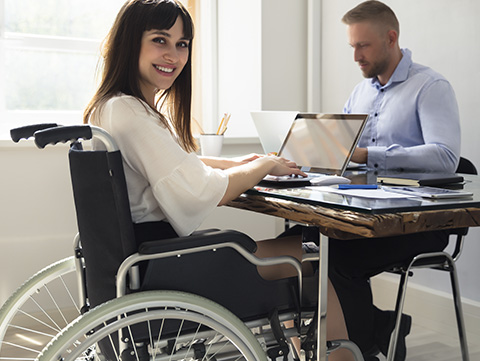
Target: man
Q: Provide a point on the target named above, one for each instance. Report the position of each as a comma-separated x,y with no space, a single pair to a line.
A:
414,125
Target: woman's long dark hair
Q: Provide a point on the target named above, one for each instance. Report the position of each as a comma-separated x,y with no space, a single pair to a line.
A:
121,70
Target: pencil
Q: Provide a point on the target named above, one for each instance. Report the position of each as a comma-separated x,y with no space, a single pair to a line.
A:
220,127
227,119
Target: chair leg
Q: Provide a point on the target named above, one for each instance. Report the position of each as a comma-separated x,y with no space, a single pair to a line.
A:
459,311
402,289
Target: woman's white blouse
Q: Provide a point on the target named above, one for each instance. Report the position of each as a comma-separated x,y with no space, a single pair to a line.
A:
164,182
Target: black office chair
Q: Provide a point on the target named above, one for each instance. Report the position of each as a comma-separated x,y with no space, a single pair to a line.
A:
442,261
205,274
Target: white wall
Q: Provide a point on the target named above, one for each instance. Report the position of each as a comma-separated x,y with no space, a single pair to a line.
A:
442,34
284,55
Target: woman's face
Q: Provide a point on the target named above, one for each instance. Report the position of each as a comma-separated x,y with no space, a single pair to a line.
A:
163,54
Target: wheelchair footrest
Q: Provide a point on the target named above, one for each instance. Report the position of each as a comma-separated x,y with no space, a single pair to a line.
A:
309,343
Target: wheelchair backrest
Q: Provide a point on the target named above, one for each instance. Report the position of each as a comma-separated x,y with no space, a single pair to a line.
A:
103,217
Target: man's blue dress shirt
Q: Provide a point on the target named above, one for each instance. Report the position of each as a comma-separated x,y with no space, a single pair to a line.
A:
414,122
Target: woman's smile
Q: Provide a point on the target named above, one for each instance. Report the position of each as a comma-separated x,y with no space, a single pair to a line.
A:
165,69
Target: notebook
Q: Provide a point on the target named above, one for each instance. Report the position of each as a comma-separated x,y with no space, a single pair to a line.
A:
420,179
272,128
322,144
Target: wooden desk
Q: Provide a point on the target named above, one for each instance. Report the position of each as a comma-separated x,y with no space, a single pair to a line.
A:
345,217
348,224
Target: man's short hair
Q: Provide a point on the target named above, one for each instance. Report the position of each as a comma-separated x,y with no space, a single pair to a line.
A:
375,12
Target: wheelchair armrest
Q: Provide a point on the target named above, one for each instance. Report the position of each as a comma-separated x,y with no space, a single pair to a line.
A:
199,239
191,244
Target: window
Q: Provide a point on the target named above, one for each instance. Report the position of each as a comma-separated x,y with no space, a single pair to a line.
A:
48,55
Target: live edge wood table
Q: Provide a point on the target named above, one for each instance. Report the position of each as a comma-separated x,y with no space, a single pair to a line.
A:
348,217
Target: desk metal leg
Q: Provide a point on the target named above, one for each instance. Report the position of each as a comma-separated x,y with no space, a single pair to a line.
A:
322,299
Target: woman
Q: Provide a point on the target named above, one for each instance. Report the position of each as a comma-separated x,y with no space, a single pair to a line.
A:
144,102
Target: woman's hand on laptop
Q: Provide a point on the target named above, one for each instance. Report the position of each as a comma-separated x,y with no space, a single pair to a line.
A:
249,174
284,166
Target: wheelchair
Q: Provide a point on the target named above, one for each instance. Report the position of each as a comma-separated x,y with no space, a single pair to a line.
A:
198,297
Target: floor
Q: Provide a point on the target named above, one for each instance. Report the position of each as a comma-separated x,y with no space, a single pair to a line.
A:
426,345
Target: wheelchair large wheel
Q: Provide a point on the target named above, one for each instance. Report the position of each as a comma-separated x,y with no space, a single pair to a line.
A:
156,325
39,310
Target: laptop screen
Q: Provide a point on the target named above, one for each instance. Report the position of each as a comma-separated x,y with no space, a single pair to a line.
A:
323,142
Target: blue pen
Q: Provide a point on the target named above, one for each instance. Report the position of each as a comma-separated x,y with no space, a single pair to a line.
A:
357,186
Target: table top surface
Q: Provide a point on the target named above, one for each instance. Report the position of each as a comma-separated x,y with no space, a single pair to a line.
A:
344,216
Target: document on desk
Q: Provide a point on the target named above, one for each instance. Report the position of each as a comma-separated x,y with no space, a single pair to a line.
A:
378,193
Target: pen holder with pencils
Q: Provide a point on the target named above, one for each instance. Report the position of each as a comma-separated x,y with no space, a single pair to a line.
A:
211,144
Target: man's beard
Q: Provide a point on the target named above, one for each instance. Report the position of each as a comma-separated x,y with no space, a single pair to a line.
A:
376,69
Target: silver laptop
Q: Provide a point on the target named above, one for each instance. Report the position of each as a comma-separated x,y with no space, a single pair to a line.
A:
322,144
272,128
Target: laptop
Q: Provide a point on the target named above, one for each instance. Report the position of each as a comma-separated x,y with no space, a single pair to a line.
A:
272,128
322,144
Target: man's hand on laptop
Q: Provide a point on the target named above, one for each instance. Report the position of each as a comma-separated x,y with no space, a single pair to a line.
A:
360,156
